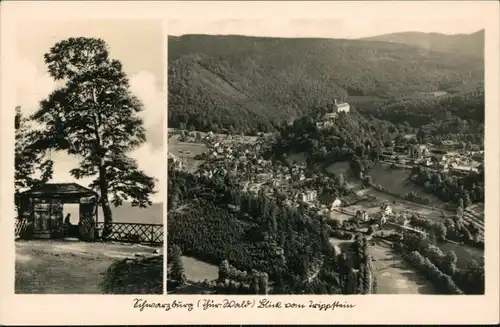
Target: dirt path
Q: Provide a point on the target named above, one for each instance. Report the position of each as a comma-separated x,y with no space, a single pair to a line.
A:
68,267
394,276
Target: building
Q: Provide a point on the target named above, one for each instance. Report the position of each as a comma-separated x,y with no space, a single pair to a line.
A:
418,151
340,106
40,211
174,161
262,178
448,143
439,158
309,196
406,229
335,204
463,170
386,209
335,108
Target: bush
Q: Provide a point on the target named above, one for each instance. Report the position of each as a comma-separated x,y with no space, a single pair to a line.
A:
341,235
134,276
442,282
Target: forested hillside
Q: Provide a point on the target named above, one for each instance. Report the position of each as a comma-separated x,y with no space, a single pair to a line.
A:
466,44
248,84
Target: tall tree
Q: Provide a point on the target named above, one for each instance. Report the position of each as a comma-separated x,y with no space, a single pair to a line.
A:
95,117
29,160
175,269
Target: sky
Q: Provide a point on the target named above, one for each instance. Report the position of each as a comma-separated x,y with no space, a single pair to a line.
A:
139,47
324,27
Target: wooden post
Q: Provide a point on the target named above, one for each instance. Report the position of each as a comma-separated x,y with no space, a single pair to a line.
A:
152,234
96,231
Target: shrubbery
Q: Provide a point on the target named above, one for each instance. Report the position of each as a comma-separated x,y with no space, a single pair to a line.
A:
341,235
470,280
414,197
441,281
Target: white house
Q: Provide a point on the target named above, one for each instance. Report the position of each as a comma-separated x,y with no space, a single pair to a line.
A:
333,110
340,106
309,196
386,209
173,159
335,204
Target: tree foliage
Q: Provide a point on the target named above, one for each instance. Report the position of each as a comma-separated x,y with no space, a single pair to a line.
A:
30,160
95,117
250,84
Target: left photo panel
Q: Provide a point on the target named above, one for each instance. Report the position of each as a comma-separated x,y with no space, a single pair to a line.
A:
89,159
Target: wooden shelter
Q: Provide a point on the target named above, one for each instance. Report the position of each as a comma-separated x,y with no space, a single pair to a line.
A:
40,209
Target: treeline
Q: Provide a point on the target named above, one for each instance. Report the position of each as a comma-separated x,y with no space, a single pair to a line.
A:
462,112
250,84
460,190
349,137
451,229
441,268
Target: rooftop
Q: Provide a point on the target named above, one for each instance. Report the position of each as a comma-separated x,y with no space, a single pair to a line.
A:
59,189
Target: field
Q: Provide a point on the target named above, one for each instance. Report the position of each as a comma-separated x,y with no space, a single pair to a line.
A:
186,152
398,204
475,214
65,267
299,158
343,168
464,253
339,216
396,181
394,276
340,245
198,271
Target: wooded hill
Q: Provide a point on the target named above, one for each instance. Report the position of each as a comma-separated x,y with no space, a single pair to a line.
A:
248,84
465,44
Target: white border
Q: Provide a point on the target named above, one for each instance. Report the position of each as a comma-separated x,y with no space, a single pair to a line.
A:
109,309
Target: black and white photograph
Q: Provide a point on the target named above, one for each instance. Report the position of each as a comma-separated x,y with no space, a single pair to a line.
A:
89,157
326,157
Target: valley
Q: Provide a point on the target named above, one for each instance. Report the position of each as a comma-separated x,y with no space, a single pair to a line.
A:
352,181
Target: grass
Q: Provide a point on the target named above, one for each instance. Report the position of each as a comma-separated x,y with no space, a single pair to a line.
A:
187,151
198,271
344,168
299,158
340,245
398,205
135,276
475,215
72,267
464,253
394,275
396,180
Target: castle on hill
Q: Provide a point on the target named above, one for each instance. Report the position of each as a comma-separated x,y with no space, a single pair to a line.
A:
333,110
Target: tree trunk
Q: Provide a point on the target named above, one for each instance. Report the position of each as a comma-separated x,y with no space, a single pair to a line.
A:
108,214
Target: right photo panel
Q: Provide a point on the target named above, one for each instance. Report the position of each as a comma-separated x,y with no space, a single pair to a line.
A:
344,161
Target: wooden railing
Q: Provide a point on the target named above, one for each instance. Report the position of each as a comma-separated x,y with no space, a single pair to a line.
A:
121,232
20,225
134,232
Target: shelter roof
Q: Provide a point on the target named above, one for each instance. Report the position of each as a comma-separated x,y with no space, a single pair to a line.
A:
59,190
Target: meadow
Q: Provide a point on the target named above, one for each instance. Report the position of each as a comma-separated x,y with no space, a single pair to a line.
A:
198,271
396,181
394,275
186,151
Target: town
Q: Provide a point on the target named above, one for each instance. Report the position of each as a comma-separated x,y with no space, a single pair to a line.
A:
362,205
